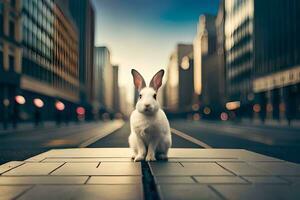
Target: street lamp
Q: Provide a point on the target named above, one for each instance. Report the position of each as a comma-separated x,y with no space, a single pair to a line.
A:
20,99
80,113
59,105
38,102
80,110
37,115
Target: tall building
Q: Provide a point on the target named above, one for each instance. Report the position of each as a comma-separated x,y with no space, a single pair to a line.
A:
116,91
180,80
10,56
220,51
103,64
203,44
239,37
208,73
44,64
98,100
83,13
262,57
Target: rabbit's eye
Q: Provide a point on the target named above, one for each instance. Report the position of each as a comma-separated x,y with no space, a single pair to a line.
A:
140,96
154,96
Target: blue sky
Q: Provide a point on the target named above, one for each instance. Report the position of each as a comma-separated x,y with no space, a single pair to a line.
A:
143,33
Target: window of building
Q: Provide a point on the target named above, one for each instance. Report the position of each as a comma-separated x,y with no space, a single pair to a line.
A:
1,60
11,29
11,62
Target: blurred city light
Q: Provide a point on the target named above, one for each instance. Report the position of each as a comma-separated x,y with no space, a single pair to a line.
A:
207,110
20,99
195,107
233,105
185,64
224,116
59,105
6,102
256,108
80,110
269,107
38,102
282,107
196,117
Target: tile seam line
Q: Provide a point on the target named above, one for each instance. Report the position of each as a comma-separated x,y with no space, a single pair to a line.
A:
190,138
226,169
22,193
11,168
216,192
56,168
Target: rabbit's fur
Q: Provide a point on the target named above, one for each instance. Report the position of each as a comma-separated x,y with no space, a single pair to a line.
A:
150,136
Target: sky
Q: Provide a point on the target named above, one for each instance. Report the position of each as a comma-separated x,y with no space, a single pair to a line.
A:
142,34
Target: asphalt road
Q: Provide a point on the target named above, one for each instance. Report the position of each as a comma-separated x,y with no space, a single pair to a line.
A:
22,144
120,139
280,142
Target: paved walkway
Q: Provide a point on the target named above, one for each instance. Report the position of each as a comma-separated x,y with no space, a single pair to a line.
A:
108,173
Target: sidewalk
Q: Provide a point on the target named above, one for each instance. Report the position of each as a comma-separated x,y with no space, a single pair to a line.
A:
109,173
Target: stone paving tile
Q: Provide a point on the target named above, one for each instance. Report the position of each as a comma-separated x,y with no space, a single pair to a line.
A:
115,180
105,168
91,192
259,192
108,173
203,153
33,169
265,179
186,192
87,160
243,168
8,166
10,192
220,179
172,179
30,180
279,168
84,153
202,159
239,154
189,169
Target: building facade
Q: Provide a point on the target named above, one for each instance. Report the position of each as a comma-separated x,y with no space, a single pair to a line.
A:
180,79
44,62
262,58
103,64
239,50
116,91
209,70
10,57
276,71
83,14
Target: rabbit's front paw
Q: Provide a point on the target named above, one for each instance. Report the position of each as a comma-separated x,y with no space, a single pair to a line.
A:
139,158
150,157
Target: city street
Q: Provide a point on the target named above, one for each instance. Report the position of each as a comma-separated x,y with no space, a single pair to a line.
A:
22,144
279,142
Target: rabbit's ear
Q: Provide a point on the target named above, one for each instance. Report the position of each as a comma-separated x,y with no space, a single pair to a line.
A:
138,80
157,80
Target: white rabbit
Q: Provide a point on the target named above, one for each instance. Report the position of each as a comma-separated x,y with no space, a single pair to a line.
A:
150,136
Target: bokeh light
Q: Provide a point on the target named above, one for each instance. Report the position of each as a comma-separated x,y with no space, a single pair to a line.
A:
59,105
38,102
20,99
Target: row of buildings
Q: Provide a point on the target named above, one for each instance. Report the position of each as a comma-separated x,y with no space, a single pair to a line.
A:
244,62
49,67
